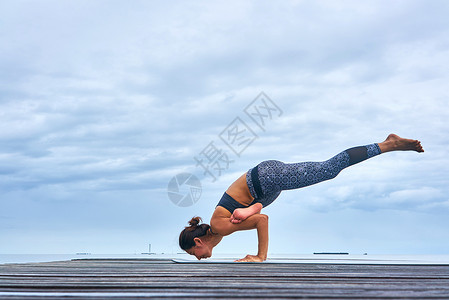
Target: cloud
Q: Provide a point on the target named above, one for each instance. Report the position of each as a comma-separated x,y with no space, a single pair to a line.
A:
106,98
421,195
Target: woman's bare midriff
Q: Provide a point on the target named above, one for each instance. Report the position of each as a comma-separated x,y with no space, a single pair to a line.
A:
240,192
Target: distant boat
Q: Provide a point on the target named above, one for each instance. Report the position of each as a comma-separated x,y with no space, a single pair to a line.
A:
331,253
83,253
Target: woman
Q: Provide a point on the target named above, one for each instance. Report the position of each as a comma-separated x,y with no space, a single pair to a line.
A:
240,206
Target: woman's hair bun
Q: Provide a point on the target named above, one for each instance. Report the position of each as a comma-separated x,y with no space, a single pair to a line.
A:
194,221
195,230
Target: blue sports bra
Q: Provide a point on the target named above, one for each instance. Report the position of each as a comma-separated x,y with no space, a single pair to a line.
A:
230,203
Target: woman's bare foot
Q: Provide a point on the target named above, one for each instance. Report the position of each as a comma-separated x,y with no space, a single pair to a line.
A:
396,143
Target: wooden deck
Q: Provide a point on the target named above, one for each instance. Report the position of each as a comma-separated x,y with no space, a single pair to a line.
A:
161,278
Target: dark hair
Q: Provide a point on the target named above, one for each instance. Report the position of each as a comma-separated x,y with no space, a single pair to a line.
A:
190,232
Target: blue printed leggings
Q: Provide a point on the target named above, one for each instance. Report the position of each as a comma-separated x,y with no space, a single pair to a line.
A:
269,178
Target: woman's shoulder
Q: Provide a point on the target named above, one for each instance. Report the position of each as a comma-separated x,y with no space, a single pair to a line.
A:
220,216
220,212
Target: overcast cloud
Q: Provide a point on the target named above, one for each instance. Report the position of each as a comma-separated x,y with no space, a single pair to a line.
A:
103,102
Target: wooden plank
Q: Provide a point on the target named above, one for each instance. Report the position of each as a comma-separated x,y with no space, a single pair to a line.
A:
136,278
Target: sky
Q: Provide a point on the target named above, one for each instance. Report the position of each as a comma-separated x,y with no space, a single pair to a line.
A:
104,103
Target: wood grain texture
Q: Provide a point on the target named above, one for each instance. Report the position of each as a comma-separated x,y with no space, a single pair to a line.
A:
146,278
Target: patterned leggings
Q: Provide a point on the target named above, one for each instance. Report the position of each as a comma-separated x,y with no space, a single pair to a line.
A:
269,178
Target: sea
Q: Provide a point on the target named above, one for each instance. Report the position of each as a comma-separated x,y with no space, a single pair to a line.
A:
279,258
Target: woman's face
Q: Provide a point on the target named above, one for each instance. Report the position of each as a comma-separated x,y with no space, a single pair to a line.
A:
200,250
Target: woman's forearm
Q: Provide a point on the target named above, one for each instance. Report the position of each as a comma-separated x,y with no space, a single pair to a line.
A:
262,235
222,226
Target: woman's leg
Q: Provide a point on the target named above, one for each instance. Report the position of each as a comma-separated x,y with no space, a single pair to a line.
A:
275,176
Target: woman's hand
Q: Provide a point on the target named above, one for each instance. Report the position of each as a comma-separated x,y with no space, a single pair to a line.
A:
250,258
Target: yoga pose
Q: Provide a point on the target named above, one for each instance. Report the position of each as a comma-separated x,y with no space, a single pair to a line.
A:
240,206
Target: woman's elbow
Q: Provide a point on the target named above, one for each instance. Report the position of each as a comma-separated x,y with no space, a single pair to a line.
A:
263,218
